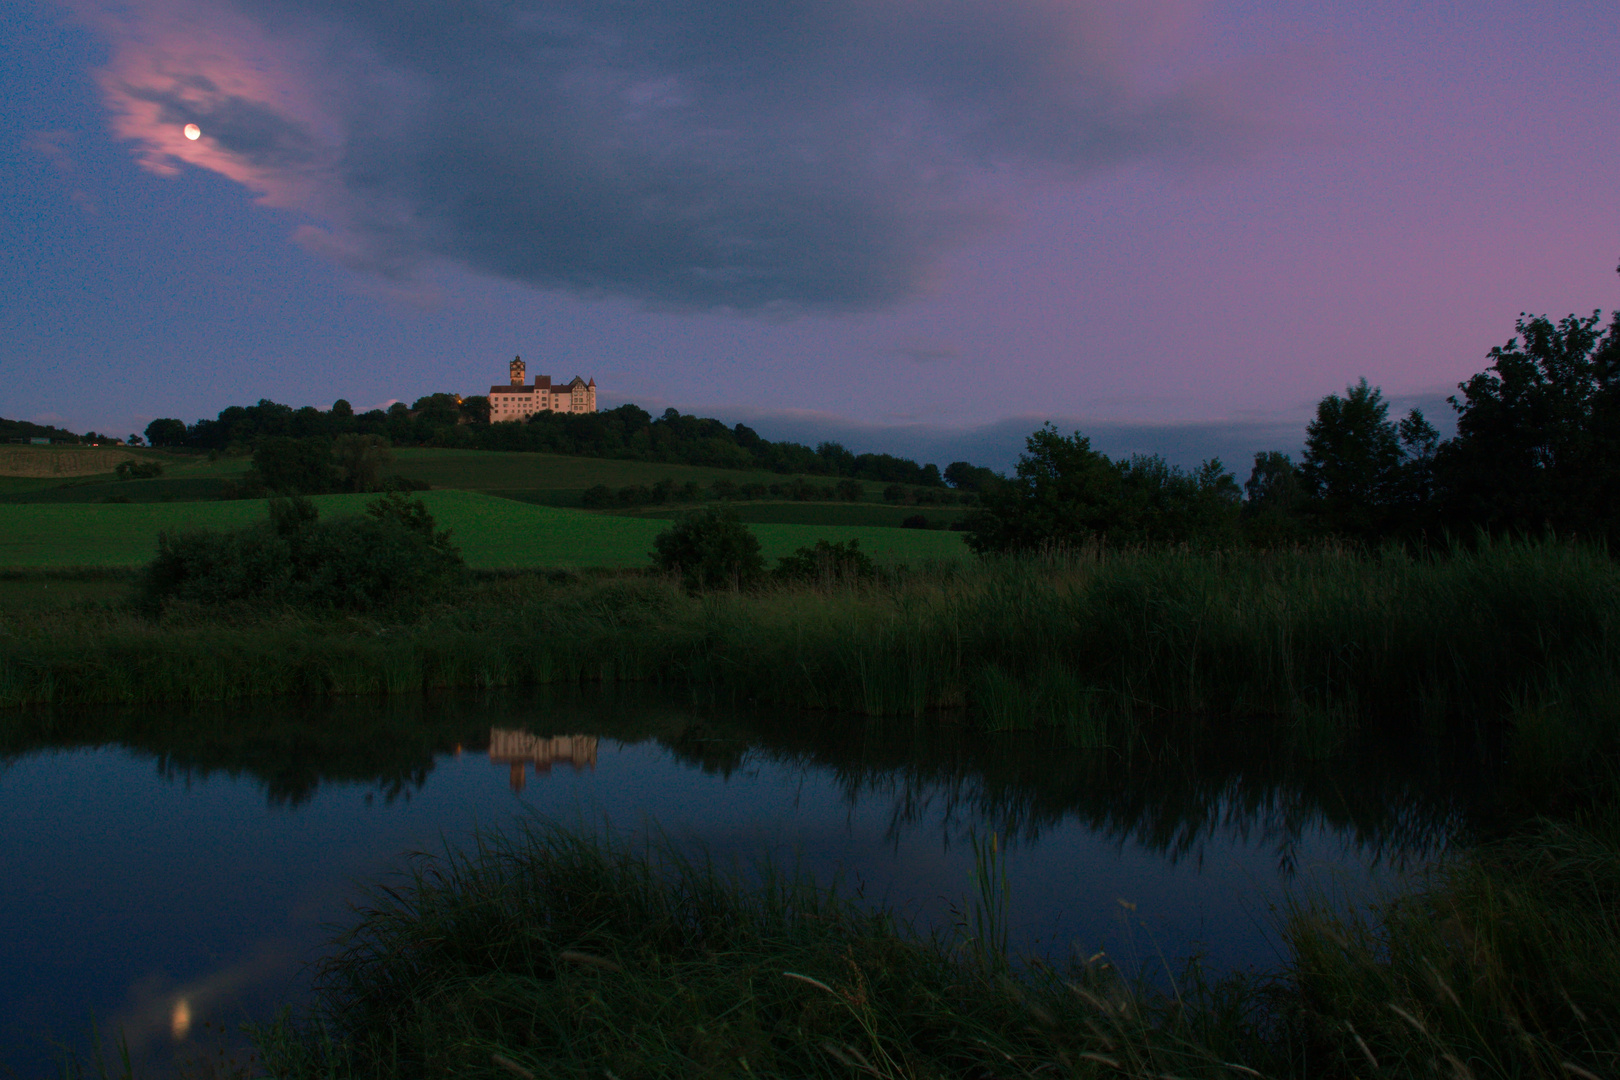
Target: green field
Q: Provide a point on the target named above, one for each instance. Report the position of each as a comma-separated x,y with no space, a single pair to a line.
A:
186,478
492,532
507,510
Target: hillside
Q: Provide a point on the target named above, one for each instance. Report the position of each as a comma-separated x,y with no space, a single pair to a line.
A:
84,475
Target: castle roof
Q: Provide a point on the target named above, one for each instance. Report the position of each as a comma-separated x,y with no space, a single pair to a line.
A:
541,382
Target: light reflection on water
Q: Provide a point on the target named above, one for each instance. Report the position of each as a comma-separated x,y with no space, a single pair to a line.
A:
173,878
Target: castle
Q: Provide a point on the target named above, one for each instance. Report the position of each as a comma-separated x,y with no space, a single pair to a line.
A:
516,401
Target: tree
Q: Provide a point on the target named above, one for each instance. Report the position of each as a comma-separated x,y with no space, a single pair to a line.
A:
1160,503
1535,431
166,432
711,548
964,476
1273,485
360,460
289,466
1352,459
1420,442
1062,492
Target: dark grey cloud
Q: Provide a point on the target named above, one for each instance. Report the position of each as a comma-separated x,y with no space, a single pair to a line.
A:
724,153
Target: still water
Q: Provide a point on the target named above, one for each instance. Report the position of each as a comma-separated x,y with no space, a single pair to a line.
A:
169,875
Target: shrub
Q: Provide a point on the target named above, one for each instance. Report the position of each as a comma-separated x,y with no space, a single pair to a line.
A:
360,460
826,561
915,521
710,548
391,556
138,470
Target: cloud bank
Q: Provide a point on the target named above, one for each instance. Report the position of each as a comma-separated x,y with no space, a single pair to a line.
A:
699,154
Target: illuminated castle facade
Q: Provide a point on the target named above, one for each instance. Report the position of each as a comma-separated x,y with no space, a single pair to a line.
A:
516,401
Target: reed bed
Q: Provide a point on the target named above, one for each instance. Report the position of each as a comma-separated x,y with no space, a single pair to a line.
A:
1317,643
552,953
555,953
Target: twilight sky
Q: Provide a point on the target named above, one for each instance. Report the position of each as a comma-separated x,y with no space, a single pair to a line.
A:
921,226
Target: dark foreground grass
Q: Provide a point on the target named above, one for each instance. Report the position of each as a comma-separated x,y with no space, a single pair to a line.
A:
549,953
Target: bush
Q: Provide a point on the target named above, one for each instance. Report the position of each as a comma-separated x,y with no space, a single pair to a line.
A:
392,556
708,549
826,561
138,470
915,521
360,460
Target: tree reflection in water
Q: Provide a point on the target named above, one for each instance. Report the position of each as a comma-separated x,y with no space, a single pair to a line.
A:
1171,792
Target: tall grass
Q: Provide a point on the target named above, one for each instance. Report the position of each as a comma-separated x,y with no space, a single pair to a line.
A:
1317,643
550,953
1502,965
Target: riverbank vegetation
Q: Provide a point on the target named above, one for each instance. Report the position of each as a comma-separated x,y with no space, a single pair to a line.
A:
550,953
1507,640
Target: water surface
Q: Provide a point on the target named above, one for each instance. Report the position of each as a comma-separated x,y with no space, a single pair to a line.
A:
172,873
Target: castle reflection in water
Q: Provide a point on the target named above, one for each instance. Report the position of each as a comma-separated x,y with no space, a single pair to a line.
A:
519,749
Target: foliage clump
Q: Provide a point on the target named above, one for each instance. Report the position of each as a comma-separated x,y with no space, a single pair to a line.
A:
138,470
826,562
1064,493
394,555
709,549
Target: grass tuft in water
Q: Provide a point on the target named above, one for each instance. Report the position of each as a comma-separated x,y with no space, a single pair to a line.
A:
552,953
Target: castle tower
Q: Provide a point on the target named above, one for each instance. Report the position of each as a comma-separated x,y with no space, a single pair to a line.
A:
517,370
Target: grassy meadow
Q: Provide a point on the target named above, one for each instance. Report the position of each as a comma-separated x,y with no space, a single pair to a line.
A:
59,462
493,533
508,510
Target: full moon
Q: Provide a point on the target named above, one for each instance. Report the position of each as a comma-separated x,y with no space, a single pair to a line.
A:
193,132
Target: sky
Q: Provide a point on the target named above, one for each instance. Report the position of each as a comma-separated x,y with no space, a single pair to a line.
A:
914,227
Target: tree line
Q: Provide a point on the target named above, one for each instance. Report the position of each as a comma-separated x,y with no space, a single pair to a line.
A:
1537,449
628,433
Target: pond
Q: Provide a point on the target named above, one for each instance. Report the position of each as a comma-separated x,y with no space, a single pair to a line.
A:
169,874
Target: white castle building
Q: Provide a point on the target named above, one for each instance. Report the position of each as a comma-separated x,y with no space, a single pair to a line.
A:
515,401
